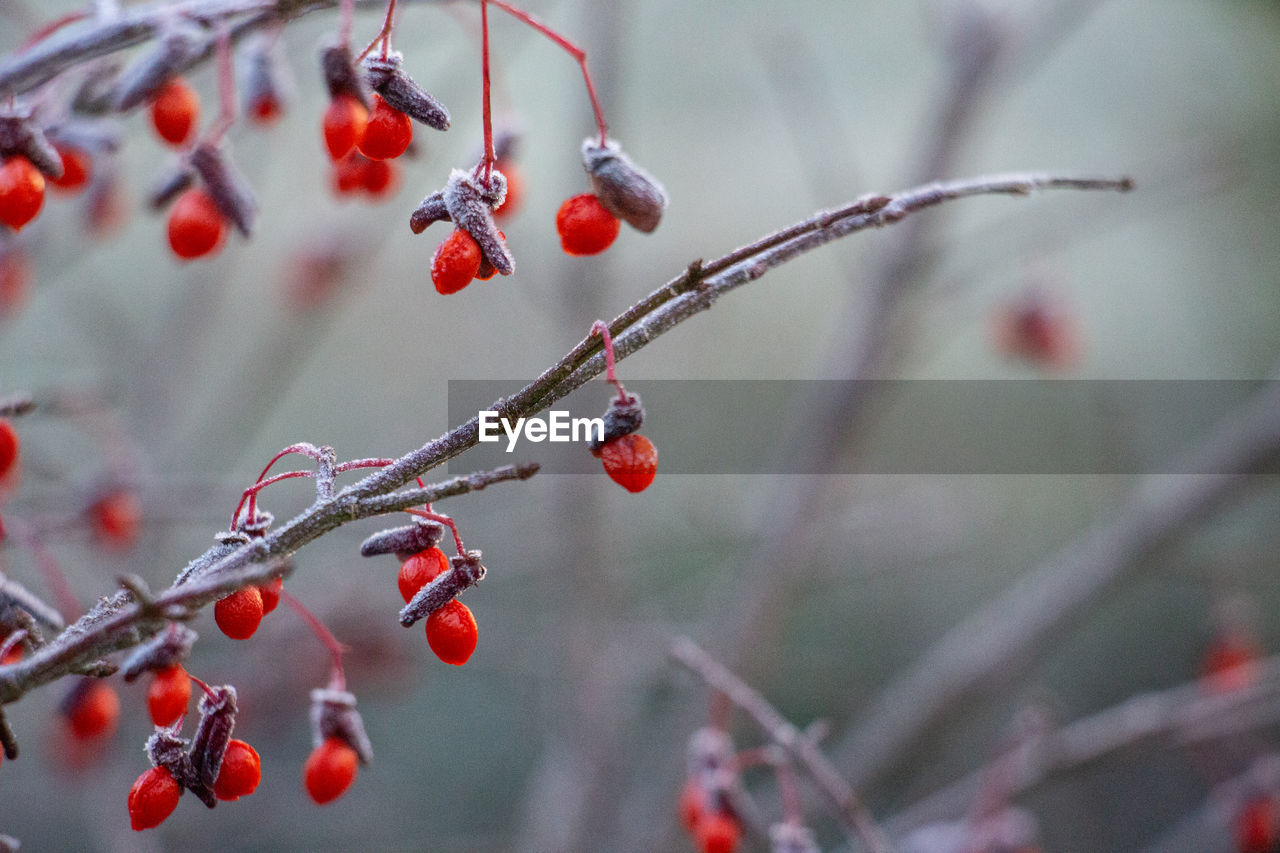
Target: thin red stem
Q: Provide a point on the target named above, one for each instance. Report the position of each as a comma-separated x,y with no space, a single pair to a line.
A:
54,577
601,328
339,678
484,71
569,47
305,449
348,14
361,463
789,788
443,519
51,28
383,36
208,691
226,86
251,493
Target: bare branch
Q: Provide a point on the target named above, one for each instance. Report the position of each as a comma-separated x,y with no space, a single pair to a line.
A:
999,642
852,813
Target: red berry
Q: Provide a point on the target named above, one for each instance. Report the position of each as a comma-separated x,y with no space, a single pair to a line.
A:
95,712
153,798
388,134
585,227
270,592
344,124
8,446
690,807
239,614
168,695
116,517
1258,826
330,770
380,178
1231,662
196,225
241,772
456,262
631,461
515,188
419,570
13,655
718,833
174,112
21,192
452,633
76,169
265,109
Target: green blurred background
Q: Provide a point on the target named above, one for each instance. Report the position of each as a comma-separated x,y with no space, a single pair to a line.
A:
566,730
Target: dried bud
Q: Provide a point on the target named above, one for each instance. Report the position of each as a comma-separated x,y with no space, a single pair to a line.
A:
172,54
464,572
627,191
397,88
95,136
340,74
97,90
168,648
470,204
334,714
431,210
409,539
173,182
266,83
229,189
20,135
623,417
505,144
217,719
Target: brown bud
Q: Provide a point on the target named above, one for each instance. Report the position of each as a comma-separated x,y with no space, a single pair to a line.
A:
265,77
172,54
340,74
397,88
627,191
470,204
623,417
464,572
431,210
334,714
411,539
20,135
228,188
217,719
173,182
168,648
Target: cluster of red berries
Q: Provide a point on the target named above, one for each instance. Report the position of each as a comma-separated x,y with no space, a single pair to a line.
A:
712,828
239,614
154,796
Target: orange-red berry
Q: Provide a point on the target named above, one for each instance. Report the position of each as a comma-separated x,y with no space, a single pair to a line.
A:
95,712
380,178
265,109
241,772
515,188
239,614
116,518
718,833
452,633
175,111
631,461
456,262
21,192
344,124
13,655
388,133
168,695
196,225
691,806
270,592
585,227
8,446
330,770
419,570
153,798
77,167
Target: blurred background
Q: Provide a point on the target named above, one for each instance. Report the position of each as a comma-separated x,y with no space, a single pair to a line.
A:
567,729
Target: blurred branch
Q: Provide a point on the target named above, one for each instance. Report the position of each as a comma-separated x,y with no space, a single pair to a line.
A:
999,642
852,813
1183,715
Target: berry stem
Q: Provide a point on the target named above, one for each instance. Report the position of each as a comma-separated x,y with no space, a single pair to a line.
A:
348,14
789,789
431,515
208,691
338,680
54,577
569,47
599,327
384,34
52,27
306,449
484,73
226,86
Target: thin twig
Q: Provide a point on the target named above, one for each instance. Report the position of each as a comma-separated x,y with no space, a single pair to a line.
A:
853,815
